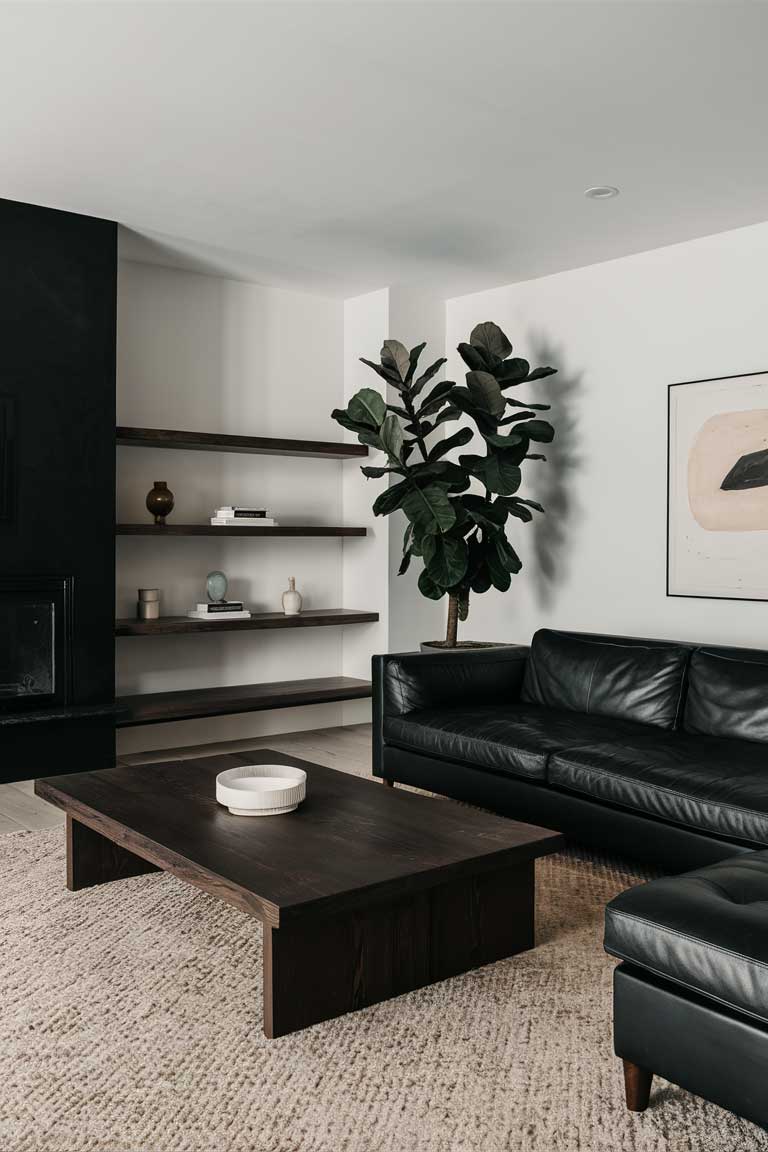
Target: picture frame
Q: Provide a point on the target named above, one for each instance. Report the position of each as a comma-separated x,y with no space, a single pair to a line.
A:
717,488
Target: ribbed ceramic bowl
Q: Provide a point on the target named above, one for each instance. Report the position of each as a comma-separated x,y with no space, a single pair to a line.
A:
261,789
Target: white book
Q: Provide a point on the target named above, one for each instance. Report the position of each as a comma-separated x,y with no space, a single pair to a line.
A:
245,521
217,617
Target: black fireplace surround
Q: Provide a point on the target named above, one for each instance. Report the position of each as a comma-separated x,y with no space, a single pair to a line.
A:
58,280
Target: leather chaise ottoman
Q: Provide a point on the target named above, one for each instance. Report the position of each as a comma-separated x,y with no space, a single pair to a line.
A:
691,993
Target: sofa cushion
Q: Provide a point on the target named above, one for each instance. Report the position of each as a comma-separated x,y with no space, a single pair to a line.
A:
728,693
517,739
713,785
706,930
639,680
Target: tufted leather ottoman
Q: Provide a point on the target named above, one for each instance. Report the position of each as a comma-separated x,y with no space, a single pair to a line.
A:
691,996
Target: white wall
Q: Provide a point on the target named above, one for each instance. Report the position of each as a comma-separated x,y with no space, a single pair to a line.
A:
207,354
619,333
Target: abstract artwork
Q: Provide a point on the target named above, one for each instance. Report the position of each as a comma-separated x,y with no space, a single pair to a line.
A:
717,513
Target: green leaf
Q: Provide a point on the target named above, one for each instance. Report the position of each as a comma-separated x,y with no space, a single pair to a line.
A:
391,498
461,398
399,411
499,474
519,404
449,413
481,580
540,373
429,509
535,456
428,588
507,442
485,392
374,473
396,357
458,440
445,559
490,338
385,373
391,435
513,371
413,359
463,605
427,376
405,563
486,513
530,503
472,358
499,574
506,554
520,511
435,397
537,430
368,407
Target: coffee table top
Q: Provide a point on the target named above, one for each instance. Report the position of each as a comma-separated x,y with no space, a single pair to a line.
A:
352,841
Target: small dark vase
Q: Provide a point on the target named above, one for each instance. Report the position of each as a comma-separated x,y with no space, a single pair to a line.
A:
160,501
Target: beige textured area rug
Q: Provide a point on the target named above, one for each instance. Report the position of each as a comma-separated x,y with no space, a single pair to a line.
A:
130,1022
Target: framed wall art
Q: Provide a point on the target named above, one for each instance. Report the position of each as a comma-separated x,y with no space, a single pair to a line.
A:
717,488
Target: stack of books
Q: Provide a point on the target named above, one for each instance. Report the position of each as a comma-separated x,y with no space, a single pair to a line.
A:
220,610
238,514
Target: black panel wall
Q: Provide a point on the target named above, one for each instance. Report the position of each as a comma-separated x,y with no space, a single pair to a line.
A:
58,285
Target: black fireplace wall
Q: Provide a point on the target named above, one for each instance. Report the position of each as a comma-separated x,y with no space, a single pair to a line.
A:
58,295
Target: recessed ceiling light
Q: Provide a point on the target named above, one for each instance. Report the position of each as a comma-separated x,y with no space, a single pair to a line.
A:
601,192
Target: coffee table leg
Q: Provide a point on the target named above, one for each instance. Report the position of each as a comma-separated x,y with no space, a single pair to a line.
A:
320,968
94,859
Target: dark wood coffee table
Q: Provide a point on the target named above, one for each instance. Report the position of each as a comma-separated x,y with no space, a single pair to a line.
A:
364,892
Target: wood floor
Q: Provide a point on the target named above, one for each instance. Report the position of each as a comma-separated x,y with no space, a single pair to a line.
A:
348,749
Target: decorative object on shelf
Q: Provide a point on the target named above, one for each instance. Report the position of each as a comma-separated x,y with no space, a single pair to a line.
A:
218,608
717,475
459,534
261,789
216,586
160,501
292,600
148,604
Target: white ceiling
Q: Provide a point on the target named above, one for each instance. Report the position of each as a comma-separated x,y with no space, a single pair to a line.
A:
339,147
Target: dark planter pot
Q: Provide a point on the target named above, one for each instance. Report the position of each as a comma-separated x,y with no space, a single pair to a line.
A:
462,646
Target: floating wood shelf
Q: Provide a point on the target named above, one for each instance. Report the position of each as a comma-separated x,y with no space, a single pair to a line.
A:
159,530
175,625
218,442
162,707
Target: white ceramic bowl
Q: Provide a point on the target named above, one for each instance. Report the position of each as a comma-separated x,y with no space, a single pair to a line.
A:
261,789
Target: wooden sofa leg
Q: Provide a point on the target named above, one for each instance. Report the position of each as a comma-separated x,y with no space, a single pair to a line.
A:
389,783
637,1086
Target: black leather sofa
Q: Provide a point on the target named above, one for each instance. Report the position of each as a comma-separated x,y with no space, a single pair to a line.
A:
691,993
653,749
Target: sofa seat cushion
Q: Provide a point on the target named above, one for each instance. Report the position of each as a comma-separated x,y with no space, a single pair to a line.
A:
706,930
517,739
715,786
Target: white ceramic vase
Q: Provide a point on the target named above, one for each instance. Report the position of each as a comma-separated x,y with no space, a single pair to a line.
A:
291,598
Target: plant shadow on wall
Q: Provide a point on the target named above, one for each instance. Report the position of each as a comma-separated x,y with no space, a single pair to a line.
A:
457,511
553,486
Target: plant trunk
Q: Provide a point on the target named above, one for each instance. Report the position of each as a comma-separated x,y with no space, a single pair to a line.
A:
453,622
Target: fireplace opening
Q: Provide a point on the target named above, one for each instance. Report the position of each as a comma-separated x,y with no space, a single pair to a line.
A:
34,642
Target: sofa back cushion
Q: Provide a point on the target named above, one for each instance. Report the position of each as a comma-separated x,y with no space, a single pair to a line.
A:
728,693
618,676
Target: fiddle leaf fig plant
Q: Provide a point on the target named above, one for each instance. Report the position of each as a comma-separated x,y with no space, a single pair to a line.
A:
457,509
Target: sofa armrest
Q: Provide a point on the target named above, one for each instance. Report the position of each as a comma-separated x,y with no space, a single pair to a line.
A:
411,681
